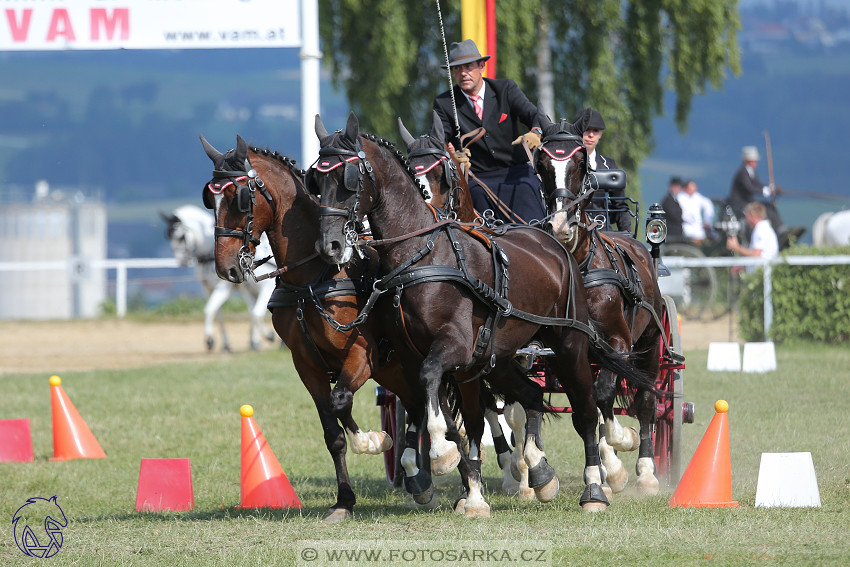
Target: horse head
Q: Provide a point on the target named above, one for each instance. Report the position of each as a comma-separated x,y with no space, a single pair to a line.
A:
437,171
231,195
337,178
561,163
189,231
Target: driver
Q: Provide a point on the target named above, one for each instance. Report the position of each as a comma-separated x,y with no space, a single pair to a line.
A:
496,160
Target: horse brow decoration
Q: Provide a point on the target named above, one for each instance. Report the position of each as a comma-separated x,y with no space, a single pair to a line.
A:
285,160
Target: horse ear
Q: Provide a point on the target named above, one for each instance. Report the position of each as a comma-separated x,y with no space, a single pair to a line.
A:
321,131
437,130
352,127
405,135
241,149
170,219
543,119
213,153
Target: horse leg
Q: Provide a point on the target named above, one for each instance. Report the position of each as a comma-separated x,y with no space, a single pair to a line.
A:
470,466
265,290
645,403
342,401
444,454
319,388
250,297
518,469
503,451
616,474
212,310
417,478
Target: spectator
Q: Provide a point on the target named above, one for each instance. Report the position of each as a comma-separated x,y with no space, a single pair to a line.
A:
673,210
697,213
763,241
747,187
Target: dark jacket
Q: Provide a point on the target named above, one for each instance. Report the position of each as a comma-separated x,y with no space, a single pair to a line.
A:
619,215
744,190
673,215
504,105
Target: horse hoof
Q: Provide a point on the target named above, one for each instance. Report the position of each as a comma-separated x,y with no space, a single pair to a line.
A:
271,336
548,491
446,463
618,478
606,489
515,472
426,497
460,506
210,344
527,494
647,486
385,441
594,507
255,345
510,485
479,510
630,440
336,515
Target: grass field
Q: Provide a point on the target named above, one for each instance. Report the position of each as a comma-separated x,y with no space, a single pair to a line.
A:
192,411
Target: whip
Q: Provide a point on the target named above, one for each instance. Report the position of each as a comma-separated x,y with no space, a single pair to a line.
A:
448,68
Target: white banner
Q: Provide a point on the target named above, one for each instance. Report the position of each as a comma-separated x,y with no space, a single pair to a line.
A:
38,25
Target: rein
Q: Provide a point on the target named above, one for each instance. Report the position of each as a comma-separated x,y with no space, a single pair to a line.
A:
288,267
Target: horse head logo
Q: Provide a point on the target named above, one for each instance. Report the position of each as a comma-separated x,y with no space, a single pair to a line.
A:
38,527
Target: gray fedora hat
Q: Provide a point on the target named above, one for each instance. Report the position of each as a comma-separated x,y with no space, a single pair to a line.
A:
463,52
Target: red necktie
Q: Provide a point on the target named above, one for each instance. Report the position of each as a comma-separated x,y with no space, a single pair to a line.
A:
477,105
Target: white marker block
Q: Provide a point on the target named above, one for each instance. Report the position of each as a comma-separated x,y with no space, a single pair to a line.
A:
759,357
724,357
787,480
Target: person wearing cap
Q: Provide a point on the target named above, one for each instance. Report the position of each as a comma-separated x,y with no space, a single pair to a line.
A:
497,158
615,202
673,210
747,187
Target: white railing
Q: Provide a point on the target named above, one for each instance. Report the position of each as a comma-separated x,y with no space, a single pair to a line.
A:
727,262
76,265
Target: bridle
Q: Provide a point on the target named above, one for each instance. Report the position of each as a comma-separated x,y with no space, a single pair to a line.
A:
246,201
355,167
450,172
562,199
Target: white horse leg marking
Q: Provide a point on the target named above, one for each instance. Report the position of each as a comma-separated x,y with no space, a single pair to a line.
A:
213,308
647,482
444,453
475,506
619,437
510,485
515,416
616,474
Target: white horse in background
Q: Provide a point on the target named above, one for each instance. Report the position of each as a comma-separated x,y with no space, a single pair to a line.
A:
832,229
191,233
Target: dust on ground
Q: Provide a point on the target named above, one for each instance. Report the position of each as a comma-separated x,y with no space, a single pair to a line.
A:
53,347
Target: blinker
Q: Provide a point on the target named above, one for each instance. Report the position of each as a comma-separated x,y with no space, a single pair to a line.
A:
351,177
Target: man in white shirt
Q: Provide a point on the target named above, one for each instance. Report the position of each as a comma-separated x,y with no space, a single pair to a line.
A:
763,241
697,213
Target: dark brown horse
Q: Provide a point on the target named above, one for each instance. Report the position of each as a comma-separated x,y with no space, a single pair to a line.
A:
255,191
622,292
447,189
466,304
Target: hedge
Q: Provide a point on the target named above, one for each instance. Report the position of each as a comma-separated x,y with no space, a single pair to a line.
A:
809,302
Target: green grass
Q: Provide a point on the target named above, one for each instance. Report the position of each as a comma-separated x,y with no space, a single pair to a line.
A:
192,411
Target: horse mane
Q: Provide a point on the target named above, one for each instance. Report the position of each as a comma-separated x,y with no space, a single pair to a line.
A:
402,159
274,154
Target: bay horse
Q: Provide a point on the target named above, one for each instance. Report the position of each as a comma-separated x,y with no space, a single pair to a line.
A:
457,311
189,230
255,191
622,292
446,189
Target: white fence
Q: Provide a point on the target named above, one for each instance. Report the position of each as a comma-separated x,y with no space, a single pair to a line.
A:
75,265
673,262
676,262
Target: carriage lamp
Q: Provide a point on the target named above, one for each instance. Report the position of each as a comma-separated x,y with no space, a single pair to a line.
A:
729,223
656,226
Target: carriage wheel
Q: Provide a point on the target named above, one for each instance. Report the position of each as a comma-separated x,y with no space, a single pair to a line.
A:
694,289
393,418
670,414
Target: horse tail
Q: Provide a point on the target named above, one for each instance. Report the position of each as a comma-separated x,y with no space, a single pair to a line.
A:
623,366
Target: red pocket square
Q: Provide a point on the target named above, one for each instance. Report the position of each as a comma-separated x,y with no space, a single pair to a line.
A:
502,118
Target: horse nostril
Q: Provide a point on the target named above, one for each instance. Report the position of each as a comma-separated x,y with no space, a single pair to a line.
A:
234,276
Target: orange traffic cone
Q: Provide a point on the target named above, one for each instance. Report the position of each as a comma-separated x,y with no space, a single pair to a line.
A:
72,438
707,481
264,484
